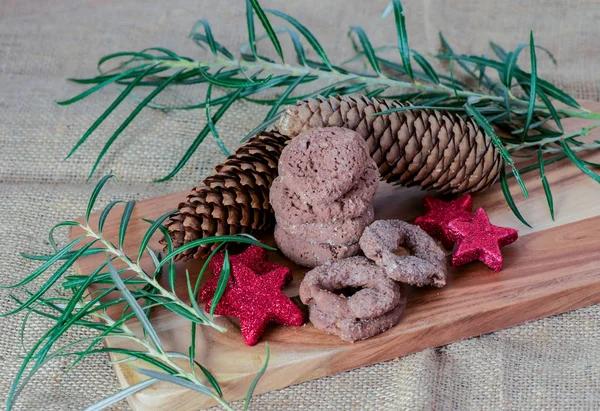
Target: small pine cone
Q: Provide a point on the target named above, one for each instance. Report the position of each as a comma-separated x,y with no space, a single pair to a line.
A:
233,200
436,150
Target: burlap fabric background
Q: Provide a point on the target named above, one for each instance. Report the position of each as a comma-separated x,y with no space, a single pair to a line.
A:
548,364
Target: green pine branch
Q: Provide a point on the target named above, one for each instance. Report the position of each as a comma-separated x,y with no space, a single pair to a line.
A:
519,112
138,292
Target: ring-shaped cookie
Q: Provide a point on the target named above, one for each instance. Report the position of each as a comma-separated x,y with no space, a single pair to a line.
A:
349,329
425,266
378,294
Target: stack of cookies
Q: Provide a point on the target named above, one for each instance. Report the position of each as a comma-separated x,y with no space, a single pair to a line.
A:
322,197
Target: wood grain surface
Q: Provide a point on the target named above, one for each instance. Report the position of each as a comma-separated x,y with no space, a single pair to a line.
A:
553,268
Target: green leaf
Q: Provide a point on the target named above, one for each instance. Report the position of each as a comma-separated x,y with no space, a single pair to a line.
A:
251,30
511,64
130,118
175,380
58,273
577,161
49,263
231,82
499,51
298,46
211,124
169,242
545,184
103,84
205,266
62,224
421,61
450,51
179,310
487,128
367,47
96,193
509,198
222,284
125,221
109,110
134,54
402,38
482,74
256,379
105,212
76,281
192,349
200,138
552,110
312,40
210,40
211,379
533,85
89,251
273,115
199,312
198,38
121,395
545,86
453,82
268,28
263,126
507,103
76,298
150,232
135,307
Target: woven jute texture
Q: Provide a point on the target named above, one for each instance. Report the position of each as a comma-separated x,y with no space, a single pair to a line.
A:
547,364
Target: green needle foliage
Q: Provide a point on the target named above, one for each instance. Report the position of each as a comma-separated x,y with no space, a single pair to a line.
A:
518,106
137,291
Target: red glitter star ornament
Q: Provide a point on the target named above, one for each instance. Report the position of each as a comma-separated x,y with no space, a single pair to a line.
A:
253,293
440,213
478,239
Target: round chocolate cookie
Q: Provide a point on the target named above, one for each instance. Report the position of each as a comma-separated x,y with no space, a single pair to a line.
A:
322,164
309,254
426,265
351,330
341,232
377,295
292,209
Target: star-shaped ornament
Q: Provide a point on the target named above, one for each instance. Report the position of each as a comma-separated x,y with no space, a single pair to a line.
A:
441,213
253,293
478,239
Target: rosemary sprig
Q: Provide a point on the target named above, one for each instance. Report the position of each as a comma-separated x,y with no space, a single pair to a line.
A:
139,290
520,106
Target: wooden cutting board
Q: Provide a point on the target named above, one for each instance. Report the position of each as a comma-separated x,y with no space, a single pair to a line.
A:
553,268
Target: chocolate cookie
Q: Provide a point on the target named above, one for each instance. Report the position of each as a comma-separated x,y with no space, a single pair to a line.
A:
292,209
426,265
341,232
322,164
378,294
355,329
310,254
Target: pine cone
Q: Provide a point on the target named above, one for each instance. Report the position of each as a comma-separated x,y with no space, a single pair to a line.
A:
233,200
436,150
